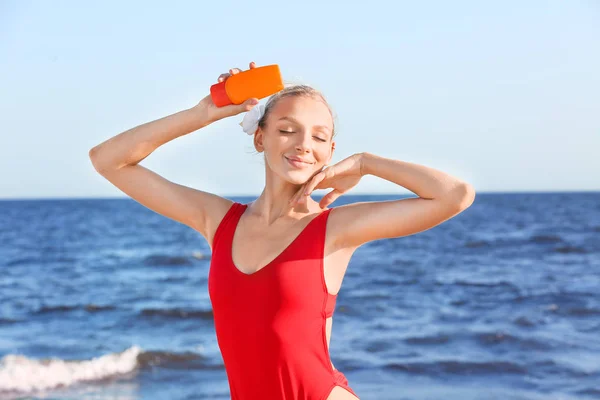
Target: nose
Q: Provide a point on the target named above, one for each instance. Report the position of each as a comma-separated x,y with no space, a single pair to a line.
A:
305,142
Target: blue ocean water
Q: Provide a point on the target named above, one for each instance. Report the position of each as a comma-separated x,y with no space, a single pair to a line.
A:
105,299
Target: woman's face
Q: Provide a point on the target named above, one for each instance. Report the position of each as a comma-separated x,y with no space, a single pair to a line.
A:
298,127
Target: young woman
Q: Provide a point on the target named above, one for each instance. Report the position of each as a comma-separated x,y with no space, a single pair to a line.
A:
278,262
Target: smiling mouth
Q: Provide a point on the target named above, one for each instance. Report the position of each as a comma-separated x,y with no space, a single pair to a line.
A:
298,164
291,159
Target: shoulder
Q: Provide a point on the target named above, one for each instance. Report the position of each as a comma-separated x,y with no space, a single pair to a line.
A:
218,211
336,225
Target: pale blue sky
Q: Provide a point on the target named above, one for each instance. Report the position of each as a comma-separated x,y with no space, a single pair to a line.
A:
503,95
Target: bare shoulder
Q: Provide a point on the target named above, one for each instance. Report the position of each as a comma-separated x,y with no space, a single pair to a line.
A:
216,210
337,223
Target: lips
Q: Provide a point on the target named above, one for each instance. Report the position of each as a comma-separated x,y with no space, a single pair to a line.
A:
297,164
298,159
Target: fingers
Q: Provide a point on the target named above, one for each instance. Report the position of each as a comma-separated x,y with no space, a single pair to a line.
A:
233,71
314,182
249,104
303,194
329,198
299,195
296,196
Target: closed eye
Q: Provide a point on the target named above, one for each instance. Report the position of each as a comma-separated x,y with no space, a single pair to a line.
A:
316,137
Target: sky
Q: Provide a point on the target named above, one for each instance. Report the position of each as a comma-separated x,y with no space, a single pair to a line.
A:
504,95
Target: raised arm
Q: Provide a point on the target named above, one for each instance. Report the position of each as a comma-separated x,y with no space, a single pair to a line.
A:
441,197
117,159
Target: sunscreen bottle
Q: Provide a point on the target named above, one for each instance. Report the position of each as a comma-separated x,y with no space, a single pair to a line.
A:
258,82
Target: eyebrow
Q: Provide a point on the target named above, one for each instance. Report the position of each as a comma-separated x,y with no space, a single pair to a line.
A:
298,122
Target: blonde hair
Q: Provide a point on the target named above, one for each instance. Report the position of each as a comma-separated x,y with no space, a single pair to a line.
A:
294,91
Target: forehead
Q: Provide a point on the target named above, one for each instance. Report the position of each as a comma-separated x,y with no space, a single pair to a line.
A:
308,110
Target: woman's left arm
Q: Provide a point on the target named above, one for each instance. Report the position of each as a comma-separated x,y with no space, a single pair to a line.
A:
425,182
441,197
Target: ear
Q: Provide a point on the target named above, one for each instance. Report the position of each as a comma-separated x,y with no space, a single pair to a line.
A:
258,140
332,150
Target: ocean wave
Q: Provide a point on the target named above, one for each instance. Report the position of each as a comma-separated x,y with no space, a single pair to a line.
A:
20,374
24,375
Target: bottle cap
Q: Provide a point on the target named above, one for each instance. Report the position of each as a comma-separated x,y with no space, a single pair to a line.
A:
219,94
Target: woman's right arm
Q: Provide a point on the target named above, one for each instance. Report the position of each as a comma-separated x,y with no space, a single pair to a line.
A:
132,146
117,159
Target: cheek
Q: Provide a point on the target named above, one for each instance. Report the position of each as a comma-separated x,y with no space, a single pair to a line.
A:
323,152
275,140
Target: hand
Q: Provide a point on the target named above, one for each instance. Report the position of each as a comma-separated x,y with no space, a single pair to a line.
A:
342,177
213,113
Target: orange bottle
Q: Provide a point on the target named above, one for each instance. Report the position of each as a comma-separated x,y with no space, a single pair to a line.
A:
256,82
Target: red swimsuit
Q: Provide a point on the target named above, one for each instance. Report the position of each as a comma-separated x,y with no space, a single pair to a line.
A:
270,324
